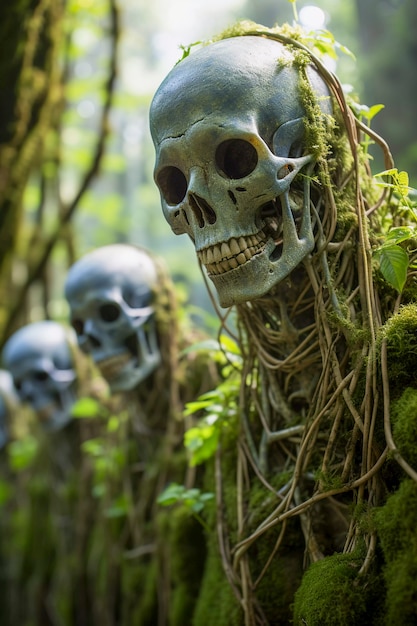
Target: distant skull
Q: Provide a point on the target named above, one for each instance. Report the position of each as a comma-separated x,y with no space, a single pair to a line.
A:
40,360
228,127
111,292
8,401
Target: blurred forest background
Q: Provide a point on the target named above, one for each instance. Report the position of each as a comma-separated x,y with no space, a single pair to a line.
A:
76,158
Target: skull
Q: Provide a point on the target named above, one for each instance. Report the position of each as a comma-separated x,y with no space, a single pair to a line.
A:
8,401
110,292
40,360
228,128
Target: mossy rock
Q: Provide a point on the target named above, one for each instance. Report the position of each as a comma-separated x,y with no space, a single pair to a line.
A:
332,592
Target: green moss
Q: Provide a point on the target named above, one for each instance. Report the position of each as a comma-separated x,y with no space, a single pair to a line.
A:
404,420
332,592
401,577
400,332
396,522
140,587
217,604
276,590
188,554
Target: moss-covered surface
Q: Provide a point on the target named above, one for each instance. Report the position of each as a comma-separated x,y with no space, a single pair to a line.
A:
333,592
404,420
400,333
396,523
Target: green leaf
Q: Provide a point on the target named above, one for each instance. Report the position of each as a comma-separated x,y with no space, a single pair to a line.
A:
398,234
202,442
22,452
171,495
391,172
113,424
94,447
393,263
85,407
192,498
369,112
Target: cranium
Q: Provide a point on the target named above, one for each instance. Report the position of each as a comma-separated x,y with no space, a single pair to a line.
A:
228,127
8,402
40,360
110,292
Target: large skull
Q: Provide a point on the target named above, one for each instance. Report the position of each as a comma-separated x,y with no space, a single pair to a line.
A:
228,128
111,293
8,402
40,360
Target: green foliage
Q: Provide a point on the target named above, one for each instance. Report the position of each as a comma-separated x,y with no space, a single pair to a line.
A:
108,455
85,407
393,254
219,405
192,500
366,114
323,43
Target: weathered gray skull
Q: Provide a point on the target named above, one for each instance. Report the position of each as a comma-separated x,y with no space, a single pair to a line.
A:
8,402
40,360
110,292
228,127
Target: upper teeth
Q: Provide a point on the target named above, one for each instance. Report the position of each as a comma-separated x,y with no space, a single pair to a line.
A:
226,256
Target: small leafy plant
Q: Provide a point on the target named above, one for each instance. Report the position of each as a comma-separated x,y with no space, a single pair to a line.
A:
219,405
193,499
393,255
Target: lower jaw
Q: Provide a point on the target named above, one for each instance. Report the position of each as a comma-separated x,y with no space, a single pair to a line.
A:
247,282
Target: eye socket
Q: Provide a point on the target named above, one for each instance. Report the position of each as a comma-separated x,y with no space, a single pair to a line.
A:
40,376
236,158
78,326
109,312
173,184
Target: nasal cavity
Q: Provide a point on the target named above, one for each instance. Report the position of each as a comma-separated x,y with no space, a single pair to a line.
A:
202,210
